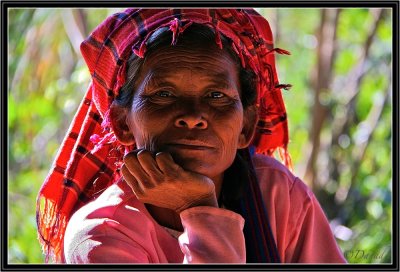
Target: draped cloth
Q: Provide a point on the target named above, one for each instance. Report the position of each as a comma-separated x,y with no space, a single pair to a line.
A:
90,156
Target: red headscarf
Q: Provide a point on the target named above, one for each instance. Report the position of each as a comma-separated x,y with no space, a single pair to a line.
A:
90,156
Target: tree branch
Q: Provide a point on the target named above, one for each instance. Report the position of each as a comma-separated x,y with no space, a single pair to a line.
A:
366,128
353,81
74,32
326,53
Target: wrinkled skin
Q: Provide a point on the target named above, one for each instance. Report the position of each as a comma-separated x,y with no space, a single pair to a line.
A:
187,121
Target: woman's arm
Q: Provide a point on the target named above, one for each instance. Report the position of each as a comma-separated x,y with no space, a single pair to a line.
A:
212,235
105,242
311,239
299,225
116,230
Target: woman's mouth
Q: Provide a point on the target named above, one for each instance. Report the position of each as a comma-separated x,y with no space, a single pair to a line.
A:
190,144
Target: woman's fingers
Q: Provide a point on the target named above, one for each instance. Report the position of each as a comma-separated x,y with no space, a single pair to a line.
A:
132,182
135,168
162,182
149,165
166,164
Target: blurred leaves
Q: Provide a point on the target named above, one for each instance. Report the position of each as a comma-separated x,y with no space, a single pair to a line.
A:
47,80
353,172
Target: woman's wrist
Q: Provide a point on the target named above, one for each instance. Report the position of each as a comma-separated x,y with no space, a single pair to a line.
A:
209,200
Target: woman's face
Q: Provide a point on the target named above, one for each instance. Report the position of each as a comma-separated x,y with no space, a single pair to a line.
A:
187,102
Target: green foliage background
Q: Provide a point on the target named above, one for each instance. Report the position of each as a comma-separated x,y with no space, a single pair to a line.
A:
47,79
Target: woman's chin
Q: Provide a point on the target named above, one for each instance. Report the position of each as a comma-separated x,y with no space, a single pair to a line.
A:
197,165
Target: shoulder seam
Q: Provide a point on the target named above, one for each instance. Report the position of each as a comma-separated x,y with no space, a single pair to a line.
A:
288,177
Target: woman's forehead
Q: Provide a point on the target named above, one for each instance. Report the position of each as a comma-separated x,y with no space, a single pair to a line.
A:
217,73
225,80
210,65
212,59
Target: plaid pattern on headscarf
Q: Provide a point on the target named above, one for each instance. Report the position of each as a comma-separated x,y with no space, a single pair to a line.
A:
90,156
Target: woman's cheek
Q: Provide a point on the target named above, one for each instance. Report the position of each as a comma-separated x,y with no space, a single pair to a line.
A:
146,127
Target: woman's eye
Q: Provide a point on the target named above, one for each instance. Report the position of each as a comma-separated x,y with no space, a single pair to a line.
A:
216,95
163,94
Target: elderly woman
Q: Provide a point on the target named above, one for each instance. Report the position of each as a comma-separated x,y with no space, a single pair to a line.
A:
164,161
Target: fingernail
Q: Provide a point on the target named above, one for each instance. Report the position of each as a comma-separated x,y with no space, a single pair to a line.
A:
137,151
166,153
133,153
140,151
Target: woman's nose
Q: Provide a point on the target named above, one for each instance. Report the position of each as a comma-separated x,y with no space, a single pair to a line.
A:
191,122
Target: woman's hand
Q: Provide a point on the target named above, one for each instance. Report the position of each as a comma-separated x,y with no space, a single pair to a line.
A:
161,182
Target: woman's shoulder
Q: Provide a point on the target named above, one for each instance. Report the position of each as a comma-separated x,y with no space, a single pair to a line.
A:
264,161
115,205
268,165
273,176
116,220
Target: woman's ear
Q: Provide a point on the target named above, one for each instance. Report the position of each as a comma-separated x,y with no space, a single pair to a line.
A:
250,119
118,116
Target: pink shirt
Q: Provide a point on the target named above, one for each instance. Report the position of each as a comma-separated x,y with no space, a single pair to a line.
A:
117,228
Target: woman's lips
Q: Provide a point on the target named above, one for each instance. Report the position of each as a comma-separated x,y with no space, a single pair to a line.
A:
190,144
